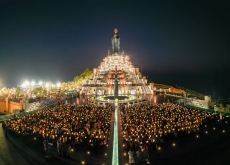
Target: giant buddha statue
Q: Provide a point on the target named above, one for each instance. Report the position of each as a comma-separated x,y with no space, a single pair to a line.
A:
115,41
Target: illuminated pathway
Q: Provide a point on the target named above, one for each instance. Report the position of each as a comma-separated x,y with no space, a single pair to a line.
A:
115,160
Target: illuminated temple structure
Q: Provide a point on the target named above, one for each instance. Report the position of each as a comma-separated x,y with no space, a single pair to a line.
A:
116,75
130,80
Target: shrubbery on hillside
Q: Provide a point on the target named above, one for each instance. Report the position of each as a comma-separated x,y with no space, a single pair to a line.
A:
87,74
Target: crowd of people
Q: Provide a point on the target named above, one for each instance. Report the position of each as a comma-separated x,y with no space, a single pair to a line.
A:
66,125
146,126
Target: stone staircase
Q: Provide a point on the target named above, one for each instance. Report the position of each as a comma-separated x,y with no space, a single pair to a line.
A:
94,79
147,89
86,89
144,87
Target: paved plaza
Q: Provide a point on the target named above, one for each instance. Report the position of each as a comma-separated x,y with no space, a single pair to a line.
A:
209,145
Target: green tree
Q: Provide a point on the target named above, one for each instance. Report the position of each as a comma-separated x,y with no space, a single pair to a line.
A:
211,103
87,74
39,91
18,92
222,108
76,78
228,107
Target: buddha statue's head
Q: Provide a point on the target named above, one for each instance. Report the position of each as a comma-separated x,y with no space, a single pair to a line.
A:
115,30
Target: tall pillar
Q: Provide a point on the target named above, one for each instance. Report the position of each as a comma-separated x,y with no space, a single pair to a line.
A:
21,104
7,105
116,88
206,101
116,84
25,104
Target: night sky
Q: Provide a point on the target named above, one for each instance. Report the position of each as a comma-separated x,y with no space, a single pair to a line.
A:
174,42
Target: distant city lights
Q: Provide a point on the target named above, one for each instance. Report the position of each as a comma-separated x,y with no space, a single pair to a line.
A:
33,83
58,84
28,84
